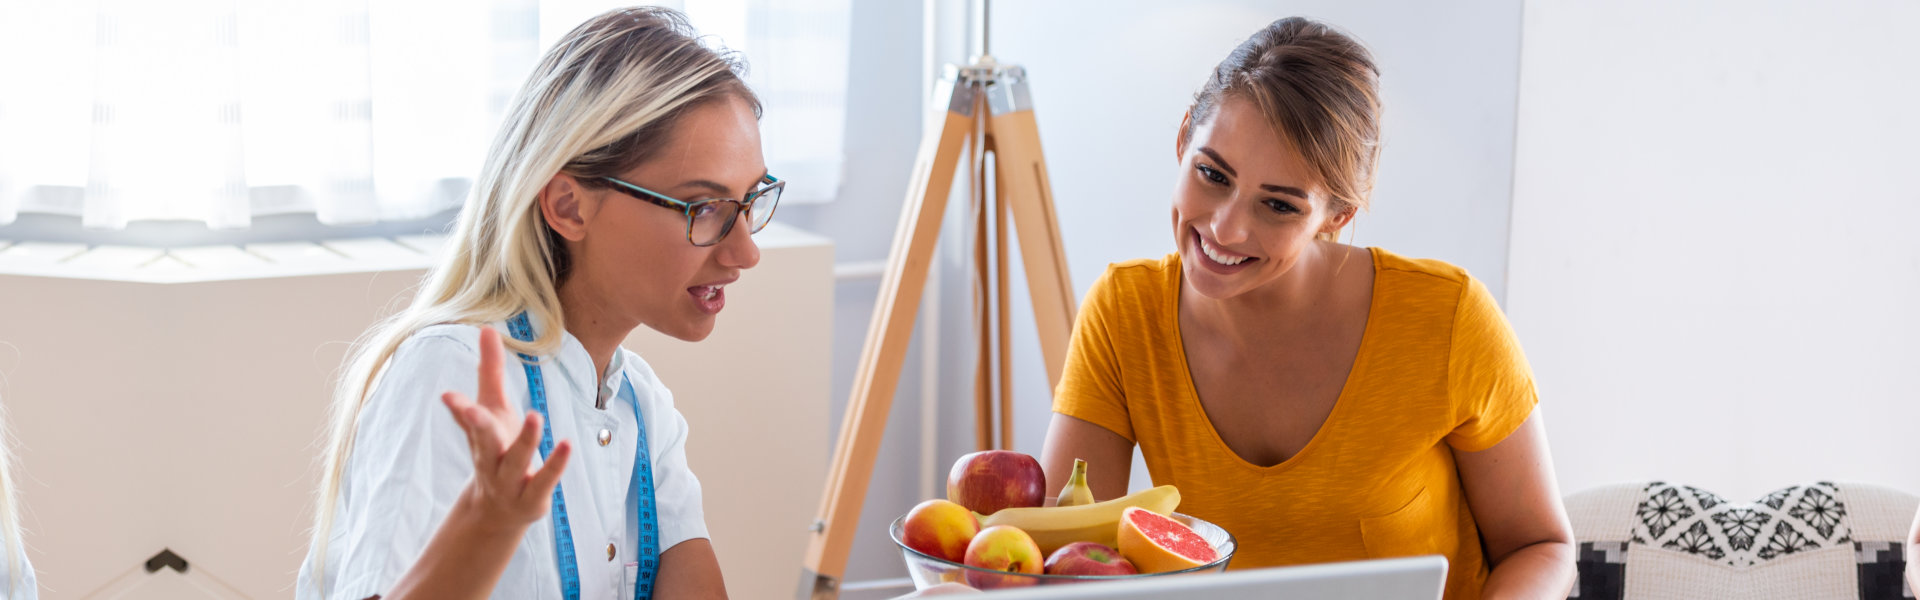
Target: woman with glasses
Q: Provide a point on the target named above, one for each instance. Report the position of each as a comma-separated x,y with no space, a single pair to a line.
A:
1321,401
620,192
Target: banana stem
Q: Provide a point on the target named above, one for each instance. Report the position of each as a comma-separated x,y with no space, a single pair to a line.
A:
1076,493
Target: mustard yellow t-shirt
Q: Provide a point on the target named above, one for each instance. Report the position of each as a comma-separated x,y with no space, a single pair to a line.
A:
1438,370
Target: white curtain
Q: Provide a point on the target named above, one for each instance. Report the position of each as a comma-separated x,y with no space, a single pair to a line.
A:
353,110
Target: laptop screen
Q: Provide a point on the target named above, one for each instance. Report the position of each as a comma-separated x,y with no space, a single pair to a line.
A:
1416,578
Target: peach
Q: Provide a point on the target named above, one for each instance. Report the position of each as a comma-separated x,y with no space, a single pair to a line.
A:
940,529
1003,548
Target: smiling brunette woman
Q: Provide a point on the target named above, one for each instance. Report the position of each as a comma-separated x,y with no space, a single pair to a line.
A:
1323,402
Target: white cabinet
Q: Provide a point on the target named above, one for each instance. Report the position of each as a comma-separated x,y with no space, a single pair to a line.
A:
174,409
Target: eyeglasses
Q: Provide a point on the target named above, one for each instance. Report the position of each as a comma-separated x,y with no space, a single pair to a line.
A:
709,220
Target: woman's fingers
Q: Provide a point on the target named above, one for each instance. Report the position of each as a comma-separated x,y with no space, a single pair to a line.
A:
943,589
492,376
458,405
486,443
541,485
520,454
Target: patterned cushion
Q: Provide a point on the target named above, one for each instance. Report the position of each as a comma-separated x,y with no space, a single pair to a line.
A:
1657,540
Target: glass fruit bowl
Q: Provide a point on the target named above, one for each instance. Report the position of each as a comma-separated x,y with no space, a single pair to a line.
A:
929,571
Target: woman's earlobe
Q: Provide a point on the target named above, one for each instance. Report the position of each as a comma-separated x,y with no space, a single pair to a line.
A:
1341,222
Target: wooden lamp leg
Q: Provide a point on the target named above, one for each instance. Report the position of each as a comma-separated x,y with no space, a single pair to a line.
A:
1022,170
886,346
1002,305
982,277
1022,196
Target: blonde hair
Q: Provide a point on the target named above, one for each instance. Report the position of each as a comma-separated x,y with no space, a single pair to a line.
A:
600,102
9,512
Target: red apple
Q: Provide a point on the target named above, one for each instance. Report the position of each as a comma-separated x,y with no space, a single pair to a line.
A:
1003,548
1088,558
940,529
990,480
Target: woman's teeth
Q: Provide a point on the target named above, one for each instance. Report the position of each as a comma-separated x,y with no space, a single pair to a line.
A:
708,292
1216,256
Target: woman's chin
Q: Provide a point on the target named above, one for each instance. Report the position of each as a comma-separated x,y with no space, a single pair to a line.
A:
696,334
1209,285
691,330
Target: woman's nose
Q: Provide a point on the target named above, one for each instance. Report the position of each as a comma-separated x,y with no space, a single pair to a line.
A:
1229,223
738,250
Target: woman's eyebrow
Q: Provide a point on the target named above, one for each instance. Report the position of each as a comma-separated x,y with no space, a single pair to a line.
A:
1291,191
706,183
1284,189
1216,158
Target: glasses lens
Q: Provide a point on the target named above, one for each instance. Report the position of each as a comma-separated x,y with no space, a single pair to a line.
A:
711,220
762,212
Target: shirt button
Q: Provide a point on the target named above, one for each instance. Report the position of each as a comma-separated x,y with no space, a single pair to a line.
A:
609,551
606,437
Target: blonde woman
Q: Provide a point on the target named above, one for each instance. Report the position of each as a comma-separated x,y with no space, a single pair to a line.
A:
621,191
16,574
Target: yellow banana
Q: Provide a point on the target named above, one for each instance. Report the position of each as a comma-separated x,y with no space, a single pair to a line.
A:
1054,526
1077,493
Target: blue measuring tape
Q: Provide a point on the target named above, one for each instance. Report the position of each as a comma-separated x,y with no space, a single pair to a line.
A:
639,489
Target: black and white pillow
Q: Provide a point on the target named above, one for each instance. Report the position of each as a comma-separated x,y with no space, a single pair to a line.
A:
1698,522
1654,524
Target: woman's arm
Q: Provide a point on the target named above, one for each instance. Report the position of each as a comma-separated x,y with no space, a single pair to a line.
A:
690,570
1515,501
1109,457
471,548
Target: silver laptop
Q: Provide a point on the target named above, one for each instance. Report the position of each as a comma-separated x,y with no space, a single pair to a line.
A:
1417,578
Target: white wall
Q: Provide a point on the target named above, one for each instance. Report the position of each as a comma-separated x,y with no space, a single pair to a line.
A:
1111,80
1714,266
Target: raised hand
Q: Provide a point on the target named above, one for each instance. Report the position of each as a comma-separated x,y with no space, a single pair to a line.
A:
472,547
503,441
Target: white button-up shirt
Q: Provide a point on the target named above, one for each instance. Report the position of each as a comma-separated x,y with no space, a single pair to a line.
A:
410,461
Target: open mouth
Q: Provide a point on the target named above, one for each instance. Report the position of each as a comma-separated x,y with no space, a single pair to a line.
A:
709,298
1217,255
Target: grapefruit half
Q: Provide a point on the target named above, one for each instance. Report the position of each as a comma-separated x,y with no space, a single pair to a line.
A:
1157,543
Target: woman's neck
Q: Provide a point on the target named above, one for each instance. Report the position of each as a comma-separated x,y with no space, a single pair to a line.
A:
598,328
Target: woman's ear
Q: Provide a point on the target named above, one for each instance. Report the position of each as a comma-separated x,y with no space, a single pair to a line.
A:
1340,221
1180,137
564,205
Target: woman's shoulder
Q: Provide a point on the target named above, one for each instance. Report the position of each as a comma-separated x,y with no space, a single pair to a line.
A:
1137,281
451,335
1427,281
1445,291
1386,262
435,352
1154,269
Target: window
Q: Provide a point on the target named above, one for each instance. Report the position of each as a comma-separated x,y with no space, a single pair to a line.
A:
353,111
